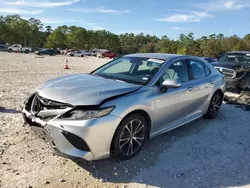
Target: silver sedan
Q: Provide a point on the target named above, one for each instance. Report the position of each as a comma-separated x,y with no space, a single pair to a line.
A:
117,107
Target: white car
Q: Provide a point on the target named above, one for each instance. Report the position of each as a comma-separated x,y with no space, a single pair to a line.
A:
87,53
80,53
19,48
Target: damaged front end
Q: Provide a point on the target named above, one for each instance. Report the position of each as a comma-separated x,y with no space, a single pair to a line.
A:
38,112
242,77
71,130
237,78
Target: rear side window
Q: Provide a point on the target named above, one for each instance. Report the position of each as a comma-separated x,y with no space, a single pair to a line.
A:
207,70
197,69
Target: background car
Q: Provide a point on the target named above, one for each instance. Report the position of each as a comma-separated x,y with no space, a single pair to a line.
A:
3,47
81,53
68,51
235,66
19,48
46,52
109,54
124,102
98,52
87,52
209,59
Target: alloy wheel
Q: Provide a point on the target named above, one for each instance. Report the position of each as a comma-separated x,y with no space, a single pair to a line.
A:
132,137
215,105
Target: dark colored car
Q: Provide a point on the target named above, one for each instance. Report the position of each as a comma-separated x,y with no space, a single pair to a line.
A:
209,59
46,52
236,68
109,54
3,47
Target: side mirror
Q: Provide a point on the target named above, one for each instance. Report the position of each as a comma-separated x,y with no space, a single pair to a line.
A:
171,83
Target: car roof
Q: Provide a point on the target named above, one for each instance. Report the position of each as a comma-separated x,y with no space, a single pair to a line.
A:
163,56
239,52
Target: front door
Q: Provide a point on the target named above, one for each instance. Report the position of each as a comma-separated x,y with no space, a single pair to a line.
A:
173,104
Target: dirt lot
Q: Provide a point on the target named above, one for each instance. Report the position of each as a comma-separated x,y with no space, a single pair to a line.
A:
205,153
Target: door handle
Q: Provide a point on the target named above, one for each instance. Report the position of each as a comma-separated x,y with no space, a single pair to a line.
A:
190,88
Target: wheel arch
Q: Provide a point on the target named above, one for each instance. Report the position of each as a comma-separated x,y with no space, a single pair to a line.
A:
221,93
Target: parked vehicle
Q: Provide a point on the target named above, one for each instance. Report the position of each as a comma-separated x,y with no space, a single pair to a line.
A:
124,102
46,52
109,54
19,48
68,52
97,52
210,59
236,68
3,47
80,53
58,51
87,52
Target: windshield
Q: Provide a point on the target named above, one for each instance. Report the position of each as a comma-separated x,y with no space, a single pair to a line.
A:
235,58
136,70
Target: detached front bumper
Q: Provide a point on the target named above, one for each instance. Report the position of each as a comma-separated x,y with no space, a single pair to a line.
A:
87,139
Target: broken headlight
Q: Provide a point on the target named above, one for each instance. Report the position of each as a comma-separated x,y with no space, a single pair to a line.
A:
79,114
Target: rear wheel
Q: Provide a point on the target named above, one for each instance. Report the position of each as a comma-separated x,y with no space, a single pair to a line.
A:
130,136
26,51
214,106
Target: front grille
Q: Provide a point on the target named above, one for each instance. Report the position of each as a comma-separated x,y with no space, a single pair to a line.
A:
49,104
46,109
229,73
36,105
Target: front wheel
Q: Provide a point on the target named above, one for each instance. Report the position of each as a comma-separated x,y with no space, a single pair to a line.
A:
214,106
130,136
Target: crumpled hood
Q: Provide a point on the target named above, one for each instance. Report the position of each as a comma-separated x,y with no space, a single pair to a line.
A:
225,65
235,66
83,89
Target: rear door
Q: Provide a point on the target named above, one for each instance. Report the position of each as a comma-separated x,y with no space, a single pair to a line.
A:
201,85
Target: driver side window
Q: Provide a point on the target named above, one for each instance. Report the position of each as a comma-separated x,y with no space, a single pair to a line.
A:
177,70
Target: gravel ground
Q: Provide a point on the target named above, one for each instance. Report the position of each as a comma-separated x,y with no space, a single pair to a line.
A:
204,153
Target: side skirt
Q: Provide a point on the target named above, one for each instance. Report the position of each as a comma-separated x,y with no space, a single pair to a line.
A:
176,124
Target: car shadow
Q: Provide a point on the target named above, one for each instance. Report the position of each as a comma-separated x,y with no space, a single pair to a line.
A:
113,170
179,167
4,110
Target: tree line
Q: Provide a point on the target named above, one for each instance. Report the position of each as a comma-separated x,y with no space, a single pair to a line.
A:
33,33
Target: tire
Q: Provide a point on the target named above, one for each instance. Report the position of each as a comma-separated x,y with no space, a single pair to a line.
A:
26,51
9,50
214,106
121,144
